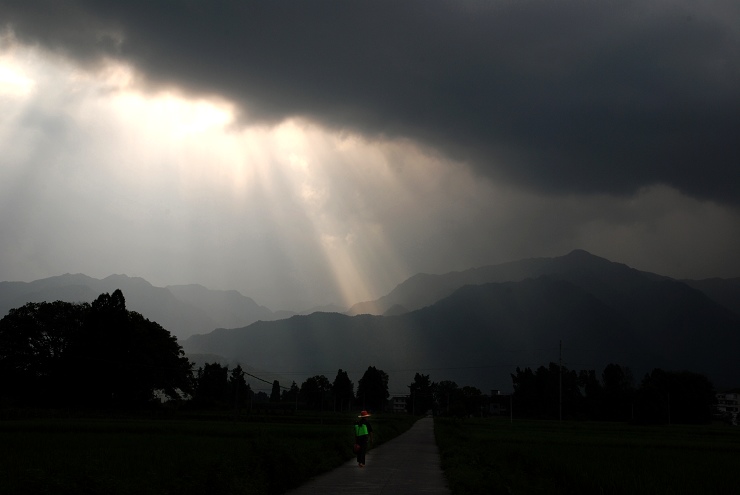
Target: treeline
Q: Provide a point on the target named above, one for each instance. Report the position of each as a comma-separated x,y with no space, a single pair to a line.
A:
445,398
215,386
660,397
553,392
104,356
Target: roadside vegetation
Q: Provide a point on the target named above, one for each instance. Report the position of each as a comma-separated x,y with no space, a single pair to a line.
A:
496,456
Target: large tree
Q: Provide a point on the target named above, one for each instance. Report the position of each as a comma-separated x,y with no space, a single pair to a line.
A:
372,389
472,399
538,393
448,398
275,393
421,395
34,343
135,356
212,385
239,391
343,390
290,395
618,392
314,391
98,354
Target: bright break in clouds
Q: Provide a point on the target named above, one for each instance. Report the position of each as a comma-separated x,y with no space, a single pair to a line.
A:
320,152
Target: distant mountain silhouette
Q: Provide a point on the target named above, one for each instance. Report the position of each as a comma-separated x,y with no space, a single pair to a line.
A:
395,310
478,334
424,289
183,310
228,307
474,326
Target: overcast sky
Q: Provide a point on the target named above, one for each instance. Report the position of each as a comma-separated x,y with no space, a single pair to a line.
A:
315,152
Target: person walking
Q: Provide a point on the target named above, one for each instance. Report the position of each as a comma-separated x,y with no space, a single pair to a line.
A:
363,434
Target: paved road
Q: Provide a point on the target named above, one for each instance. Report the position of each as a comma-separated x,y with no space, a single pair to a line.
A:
408,464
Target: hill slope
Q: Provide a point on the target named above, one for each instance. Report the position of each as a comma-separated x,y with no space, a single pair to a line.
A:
479,335
579,266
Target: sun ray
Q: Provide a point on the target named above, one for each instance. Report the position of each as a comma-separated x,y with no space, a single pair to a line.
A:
299,197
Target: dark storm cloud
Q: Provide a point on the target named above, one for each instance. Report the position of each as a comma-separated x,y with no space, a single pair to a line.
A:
561,96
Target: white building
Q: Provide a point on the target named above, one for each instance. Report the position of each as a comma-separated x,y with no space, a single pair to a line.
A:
398,403
728,405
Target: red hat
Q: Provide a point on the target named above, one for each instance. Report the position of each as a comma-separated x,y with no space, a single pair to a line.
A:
364,414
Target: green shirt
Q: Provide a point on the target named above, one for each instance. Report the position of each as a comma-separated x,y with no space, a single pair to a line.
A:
361,430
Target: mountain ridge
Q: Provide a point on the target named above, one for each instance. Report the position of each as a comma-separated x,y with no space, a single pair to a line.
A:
188,310
424,289
600,310
479,334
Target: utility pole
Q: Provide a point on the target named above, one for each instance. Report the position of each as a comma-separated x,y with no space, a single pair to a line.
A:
560,384
236,399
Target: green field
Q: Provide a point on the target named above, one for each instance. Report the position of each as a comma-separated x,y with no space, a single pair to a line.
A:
548,457
266,455
271,454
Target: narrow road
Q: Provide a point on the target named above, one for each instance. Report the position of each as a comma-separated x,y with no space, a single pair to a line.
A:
409,464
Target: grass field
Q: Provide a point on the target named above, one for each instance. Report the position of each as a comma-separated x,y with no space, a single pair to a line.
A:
182,456
538,457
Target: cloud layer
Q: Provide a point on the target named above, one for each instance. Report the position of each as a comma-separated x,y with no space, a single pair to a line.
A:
315,152
568,96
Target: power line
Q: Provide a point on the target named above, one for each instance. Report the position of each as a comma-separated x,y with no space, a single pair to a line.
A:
263,380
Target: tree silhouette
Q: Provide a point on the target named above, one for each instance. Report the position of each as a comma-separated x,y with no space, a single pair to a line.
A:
593,394
343,390
314,391
98,354
538,394
239,391
372,389
212,386
290,395
449,398
674,397
472,399
34,340
275,393
617,392
421,395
